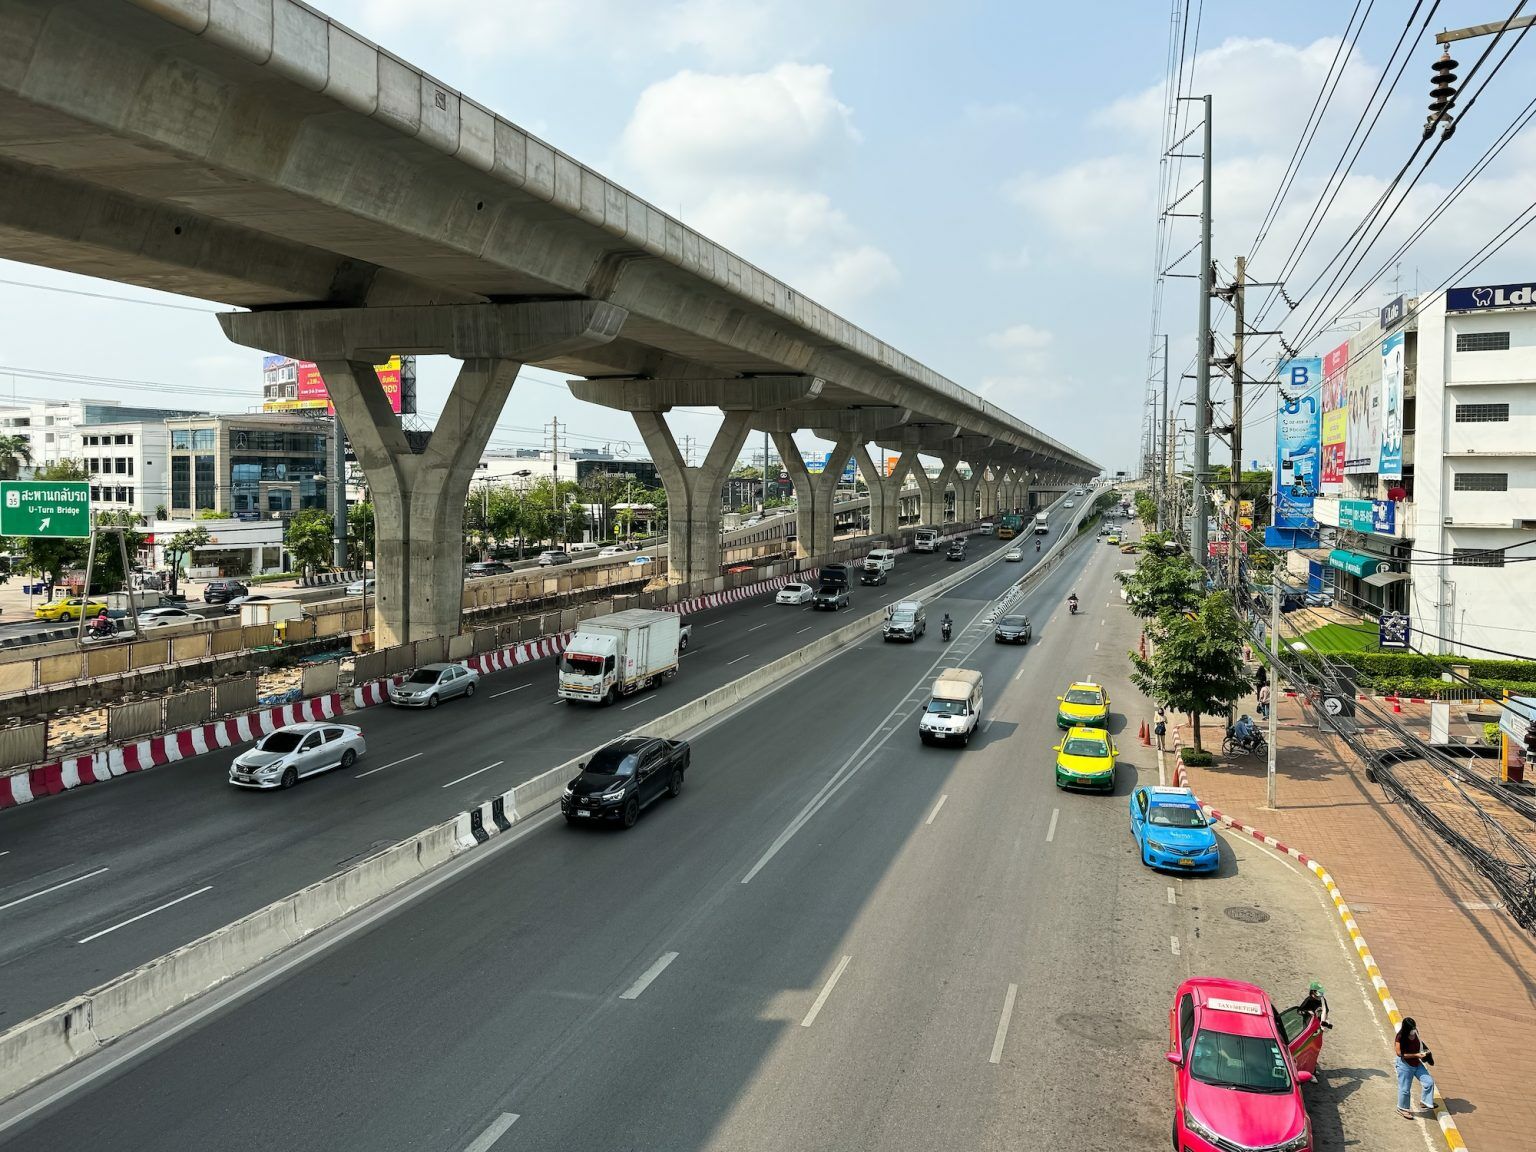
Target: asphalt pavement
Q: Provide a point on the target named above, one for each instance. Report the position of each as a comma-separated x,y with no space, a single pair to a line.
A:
835,938
99,880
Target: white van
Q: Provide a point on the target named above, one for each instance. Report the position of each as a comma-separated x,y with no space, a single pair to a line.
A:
954,708
880,560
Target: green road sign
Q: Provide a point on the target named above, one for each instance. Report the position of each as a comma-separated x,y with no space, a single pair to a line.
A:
45,508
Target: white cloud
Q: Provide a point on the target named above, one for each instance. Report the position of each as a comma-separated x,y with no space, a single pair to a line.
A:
1015,261
1091,199
1021,338
851,273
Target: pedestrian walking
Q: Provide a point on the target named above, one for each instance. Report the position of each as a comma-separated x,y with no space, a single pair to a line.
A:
1412,1057
1263,701
1261,677
1160,729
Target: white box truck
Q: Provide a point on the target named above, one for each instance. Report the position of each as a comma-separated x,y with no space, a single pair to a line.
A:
954,708
1042,524
616,655
926,540
270,612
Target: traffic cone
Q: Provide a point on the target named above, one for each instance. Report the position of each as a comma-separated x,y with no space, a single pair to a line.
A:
1146,735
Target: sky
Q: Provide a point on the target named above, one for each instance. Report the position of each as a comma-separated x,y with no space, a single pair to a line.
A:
975,182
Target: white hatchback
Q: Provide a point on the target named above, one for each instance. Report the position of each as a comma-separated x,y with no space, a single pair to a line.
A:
795,594
1013,555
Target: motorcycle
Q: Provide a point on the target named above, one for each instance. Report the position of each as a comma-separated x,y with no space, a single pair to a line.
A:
1072,607
1255,745
945,629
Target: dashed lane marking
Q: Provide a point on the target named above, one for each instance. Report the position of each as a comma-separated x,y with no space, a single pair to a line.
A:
142,915
936,808
391,764
508,692
493,1133
54,888
1050,833
650,974
826,991
1002,1025
1173,944
473,774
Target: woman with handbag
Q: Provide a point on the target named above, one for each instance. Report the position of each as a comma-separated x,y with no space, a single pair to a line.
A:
1412,1057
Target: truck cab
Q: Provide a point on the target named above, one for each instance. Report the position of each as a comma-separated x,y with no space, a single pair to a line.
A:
954,708
926,540
619,654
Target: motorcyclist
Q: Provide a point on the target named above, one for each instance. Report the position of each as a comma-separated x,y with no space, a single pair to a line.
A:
1072,603
1244,731
103,625
1037,545
946,626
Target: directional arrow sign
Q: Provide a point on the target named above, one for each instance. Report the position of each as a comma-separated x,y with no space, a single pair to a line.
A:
57,508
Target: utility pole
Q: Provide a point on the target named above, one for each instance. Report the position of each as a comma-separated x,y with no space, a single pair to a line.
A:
1198,535
554,475
1235,479
339,513
1274,683
1158,436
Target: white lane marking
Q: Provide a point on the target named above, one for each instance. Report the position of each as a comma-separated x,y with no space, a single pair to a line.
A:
141,915
508,692
1050,833
1020,676
55,888
1095,645
494,1133
1172,897
826,990
738,660
807,628
1173,943
637,703
936,808
391,764
7,852
557,699
712,624
1102,623
985,727
755,627
655,970
473,774
1002,1025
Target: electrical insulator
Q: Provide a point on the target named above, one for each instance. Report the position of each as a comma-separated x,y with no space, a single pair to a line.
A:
1442,92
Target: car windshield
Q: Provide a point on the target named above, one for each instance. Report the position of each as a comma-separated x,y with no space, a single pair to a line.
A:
1085,746
1012,622
900,617
1248,1063
1176,816
581,663
612,762
794,589
1084,696
281,742
946,707
422,676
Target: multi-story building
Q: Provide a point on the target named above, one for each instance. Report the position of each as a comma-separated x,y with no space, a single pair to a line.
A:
1476,472
252,467
53,428
128,466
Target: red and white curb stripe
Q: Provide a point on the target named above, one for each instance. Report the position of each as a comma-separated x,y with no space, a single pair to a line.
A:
51,779
1181,779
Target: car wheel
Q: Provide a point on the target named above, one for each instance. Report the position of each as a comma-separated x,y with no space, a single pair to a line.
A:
469,689
432,700
348,758
66,616
675,785
290,776
631,812
682,644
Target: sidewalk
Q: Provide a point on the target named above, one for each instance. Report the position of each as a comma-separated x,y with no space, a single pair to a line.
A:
1454,961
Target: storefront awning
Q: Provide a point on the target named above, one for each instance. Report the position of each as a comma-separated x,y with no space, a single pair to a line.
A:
1382,579
1354,563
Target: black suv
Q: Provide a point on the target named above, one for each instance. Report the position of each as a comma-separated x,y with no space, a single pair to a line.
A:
486,568
623,777
831,596
223,591
956,551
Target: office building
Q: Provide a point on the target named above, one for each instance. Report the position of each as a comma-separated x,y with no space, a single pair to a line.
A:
258,466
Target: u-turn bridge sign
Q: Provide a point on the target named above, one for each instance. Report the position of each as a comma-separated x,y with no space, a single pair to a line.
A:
57,508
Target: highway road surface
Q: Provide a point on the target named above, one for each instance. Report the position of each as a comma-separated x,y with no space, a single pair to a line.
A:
834,939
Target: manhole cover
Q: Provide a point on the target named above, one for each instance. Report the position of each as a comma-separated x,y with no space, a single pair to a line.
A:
1247,915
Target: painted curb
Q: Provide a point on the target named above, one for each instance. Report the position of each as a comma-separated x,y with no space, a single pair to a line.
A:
1181,779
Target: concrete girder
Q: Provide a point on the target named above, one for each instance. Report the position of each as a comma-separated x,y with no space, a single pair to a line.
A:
729,394
418,499
693,492
815,492
830,421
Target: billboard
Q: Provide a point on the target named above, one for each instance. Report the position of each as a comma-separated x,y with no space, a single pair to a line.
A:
1298,430
890,465
1362,400
1391,464
1370,516
1493,296
289,385
1335,423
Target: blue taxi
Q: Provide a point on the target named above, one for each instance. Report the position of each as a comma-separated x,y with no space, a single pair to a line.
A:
1172,831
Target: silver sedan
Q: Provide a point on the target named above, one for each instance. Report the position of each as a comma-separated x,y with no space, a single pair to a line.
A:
283,758
431,684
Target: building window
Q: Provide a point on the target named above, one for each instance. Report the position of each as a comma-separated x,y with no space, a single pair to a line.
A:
93,465
1482,341
203,439
123,439
89,440
128,439
95,492
181,440
181,482
1482,413
207,484
1482,482
279,500
120,466
122,495
1477,558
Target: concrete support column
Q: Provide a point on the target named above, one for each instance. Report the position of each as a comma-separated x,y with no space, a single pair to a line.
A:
991,484
814,493
965,494
882,511
418,498
694,513
934,491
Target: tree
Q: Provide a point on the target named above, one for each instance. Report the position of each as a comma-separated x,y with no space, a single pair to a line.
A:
360,531
210,514
108,574
310,539
1196,666
180,546
1162,583
15,454
1146,509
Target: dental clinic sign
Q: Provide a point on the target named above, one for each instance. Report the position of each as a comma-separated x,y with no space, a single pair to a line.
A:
1494,296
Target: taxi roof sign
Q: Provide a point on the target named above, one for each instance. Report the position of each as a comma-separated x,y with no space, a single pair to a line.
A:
1246,1007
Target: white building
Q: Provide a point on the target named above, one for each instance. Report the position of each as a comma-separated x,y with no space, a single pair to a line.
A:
52,428
128,466
1476,472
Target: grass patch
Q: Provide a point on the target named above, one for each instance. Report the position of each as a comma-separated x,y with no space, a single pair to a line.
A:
1331,638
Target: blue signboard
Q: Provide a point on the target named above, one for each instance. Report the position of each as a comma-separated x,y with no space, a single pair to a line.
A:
1394,631
1298,447
1376,516
850,471
1493,296
1390,465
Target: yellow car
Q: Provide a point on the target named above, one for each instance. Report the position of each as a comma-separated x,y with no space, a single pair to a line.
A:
1112,538
1086,704
1086,759
71,609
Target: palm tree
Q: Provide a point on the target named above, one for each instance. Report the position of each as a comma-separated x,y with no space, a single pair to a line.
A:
15,454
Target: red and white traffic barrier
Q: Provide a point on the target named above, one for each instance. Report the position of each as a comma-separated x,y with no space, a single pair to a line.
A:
95,767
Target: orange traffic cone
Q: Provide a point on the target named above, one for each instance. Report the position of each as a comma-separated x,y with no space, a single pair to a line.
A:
1146,735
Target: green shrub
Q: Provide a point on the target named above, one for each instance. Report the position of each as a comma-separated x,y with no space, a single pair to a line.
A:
1196,757
1491,734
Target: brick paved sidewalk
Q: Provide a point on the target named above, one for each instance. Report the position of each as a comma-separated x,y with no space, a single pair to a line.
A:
1453,960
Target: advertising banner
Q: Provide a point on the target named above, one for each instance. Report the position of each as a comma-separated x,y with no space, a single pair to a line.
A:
1378,517
1391,464
890,465
1493,296
289,385
1394,632
1335,418
1298,431
815,462
1362,400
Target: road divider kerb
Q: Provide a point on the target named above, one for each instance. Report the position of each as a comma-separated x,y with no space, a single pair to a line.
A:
1181,779
39,1047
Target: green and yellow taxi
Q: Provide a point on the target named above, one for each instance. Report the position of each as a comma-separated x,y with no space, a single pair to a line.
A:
1085,758
1112,538
1085,705
68,609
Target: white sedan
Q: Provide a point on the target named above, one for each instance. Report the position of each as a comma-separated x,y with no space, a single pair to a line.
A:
1013,555
640,561
795,594
283,758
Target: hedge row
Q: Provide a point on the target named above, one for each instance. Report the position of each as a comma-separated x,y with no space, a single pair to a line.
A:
1381,665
